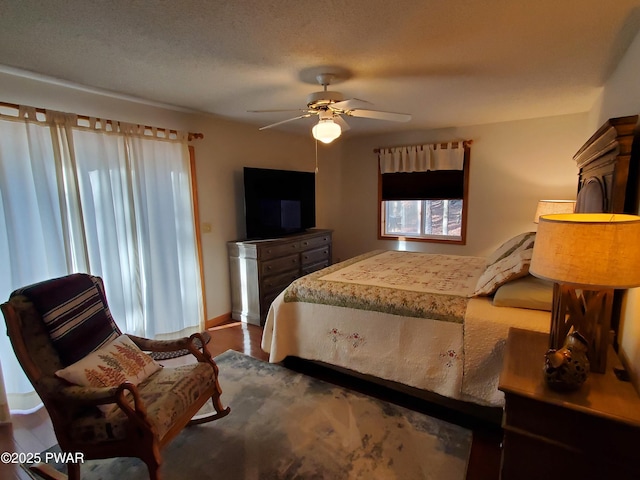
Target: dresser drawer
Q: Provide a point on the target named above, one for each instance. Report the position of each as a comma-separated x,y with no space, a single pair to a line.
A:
267,252
280,265
314,267
315,256
266,302
313,242
277,283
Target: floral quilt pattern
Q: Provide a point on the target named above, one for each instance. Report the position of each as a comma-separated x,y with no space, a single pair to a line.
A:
415,271
384,294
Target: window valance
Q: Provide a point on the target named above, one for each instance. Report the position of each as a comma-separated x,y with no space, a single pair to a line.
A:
9,111
422,158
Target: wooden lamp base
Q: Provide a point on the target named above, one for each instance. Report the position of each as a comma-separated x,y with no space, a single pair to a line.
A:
588,312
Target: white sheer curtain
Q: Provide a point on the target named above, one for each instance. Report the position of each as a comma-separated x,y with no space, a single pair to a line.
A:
31,238
421,158
111,199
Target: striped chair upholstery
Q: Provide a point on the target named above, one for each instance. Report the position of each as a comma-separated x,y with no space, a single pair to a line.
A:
75,312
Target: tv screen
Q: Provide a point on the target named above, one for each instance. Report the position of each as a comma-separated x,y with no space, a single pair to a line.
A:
278,202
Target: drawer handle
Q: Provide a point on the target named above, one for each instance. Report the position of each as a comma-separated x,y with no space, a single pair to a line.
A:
268,267
269,251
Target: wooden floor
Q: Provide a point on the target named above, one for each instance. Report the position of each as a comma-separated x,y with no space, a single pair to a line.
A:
33,433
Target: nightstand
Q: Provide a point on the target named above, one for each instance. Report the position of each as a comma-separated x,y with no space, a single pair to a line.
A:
591,433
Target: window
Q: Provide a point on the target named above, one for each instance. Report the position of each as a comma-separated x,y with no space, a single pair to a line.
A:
110,199
424,199
429,219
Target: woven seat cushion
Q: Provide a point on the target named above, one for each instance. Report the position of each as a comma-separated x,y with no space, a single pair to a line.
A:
75,313
167,394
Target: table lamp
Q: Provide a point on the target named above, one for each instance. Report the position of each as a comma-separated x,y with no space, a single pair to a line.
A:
587,256
548,207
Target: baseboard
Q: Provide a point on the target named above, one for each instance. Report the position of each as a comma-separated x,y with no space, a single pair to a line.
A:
219,320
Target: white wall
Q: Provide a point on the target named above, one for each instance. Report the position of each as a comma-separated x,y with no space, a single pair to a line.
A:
227,147
512,166
621,97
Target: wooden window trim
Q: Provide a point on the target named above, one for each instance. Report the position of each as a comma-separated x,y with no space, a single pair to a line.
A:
196,219
465,208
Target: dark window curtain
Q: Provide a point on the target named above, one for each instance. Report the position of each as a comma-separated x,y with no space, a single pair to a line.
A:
430,185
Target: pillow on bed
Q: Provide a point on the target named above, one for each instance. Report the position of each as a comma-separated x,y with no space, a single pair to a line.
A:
527,292
519,242
511,267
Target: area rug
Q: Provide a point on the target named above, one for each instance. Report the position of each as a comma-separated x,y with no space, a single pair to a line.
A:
286,425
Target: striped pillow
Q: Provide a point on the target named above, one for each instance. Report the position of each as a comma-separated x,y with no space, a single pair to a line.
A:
520,242
75,312
514,265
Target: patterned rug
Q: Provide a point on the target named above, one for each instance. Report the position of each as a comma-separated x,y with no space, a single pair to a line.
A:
285,425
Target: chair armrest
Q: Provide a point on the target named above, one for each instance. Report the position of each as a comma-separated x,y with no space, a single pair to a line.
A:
185,343
125,395
61,391
89,395
149,345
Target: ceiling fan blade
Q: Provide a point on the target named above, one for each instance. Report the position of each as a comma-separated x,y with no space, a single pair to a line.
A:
342,122
285,121
283,110
377,115
349,104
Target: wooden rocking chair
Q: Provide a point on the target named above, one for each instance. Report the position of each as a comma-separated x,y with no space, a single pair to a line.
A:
56,323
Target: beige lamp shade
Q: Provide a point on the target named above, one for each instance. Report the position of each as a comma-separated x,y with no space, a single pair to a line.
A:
548,207
588,250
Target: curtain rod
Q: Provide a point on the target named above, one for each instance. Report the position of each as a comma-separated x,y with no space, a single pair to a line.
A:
190,135
465,144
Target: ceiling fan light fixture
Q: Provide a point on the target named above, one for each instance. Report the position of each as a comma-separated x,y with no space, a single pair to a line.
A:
326,130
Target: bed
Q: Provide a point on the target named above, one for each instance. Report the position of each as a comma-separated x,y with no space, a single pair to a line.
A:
439,323
410,318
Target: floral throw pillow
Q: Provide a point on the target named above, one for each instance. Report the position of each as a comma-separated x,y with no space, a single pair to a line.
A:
119,361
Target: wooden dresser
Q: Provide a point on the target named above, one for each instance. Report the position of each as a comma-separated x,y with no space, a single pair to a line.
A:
261,269
591,433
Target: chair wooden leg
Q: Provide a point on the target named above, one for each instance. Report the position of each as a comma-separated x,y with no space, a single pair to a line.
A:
73,470
217,403
153,461
154,471
220,412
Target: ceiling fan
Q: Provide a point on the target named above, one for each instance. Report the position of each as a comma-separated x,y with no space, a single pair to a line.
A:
329,106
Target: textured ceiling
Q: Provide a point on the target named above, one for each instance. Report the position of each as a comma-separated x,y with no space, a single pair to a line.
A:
448,63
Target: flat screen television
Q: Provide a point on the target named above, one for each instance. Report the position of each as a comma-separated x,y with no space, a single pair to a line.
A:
278,202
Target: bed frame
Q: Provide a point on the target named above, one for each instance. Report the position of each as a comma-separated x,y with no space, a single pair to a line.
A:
608,168
608,179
